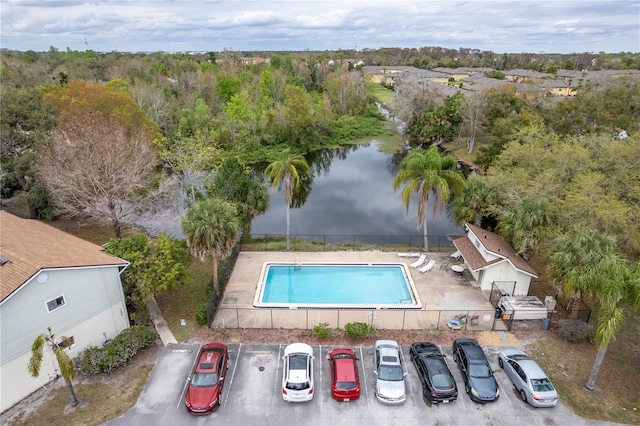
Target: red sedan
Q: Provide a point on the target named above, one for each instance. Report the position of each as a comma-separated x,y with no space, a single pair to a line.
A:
207,379
343,366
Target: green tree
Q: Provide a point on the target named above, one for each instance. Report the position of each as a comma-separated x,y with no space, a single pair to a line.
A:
617,286
64,362
155,265
241,186
475,201
288,172
572,256
531,224
428,173
211,230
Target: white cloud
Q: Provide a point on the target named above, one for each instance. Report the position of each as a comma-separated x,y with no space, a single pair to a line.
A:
180,25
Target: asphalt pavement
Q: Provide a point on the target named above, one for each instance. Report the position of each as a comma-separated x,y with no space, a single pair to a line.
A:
252,395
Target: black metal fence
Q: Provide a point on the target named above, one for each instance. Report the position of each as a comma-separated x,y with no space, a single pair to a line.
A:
583,311
328,242
224,273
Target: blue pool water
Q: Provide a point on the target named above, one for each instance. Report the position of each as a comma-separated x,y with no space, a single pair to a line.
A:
336,285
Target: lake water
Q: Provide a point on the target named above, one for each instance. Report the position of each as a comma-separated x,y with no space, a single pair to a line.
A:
351,193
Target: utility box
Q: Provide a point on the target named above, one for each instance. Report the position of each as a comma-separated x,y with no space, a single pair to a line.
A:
550,303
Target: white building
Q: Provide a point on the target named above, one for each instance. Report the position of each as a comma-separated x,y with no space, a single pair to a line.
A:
49,278
492,260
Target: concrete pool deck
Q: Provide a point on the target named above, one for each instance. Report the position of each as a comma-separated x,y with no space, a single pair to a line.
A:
443,292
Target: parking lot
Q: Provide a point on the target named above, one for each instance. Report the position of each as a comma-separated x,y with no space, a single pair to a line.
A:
252,395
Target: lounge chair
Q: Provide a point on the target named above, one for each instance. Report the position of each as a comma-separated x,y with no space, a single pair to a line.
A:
420,261
409,254
456,255
429,266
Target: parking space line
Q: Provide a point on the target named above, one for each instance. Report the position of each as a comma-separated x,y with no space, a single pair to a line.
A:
233,373
315,391
364,377
278,387
186,380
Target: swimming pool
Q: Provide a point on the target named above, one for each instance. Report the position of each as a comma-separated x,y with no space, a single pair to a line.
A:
336,285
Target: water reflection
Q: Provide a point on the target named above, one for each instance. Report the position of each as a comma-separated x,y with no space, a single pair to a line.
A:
350,193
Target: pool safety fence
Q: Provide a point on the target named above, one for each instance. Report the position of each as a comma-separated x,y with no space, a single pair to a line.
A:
435,321
327,242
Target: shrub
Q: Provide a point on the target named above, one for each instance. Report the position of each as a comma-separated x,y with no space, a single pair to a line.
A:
359,330
116,353
574,330
322,330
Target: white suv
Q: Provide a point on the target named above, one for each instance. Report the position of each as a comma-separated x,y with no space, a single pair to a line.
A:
297,378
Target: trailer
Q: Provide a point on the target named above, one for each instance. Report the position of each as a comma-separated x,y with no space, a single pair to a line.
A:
522,308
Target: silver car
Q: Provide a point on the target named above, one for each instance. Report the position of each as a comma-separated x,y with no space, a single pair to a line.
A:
390,372
533,384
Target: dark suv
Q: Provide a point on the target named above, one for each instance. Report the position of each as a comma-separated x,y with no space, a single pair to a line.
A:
479,382
438,384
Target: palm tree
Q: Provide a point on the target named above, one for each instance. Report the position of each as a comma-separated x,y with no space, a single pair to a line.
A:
428,172
211,229
287,171
64,362
475,201
572,257
531,224
618,285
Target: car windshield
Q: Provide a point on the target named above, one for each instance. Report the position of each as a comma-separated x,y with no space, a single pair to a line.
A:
479,370
390,372
442,381
346,385
203,380
542,385
297,386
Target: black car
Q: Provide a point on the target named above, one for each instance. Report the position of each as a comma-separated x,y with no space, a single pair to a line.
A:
438,384
479,382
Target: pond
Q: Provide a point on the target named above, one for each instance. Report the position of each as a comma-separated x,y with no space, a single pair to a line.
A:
351,193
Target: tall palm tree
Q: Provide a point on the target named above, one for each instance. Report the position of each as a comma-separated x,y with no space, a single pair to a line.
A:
617,286
428,173
572,256
287,172
64,362
211,229
475,201
531,224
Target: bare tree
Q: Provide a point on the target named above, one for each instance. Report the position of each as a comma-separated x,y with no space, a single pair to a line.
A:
472,111
99,169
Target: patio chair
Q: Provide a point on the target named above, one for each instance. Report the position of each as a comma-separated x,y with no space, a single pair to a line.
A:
429,266
420,261
456,255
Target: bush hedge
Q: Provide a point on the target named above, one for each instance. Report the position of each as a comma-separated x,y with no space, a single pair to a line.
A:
116,353
359,330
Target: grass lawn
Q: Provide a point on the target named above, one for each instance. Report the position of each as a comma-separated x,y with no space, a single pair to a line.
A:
381,93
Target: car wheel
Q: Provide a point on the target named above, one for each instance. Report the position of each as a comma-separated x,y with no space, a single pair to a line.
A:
523,395
500,363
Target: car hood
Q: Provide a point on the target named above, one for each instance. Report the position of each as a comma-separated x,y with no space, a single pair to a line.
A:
485,386
390,389
200,397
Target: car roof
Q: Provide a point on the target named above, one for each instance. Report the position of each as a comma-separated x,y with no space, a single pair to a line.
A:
426,348
532,369
298,348
208,359
345,369
473,351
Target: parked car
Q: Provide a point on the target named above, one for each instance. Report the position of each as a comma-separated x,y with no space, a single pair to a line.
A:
479,382
343,367
297,378
528,378
207,379
390,372
438,385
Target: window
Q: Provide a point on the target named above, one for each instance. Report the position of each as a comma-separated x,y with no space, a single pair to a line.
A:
56,303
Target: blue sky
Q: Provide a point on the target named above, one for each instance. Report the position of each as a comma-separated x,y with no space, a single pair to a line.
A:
513,26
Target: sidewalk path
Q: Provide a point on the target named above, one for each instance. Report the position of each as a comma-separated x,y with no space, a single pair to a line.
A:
161,325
